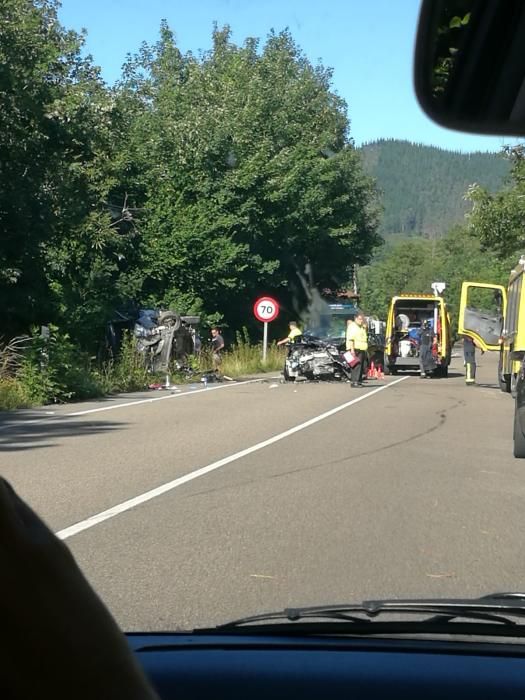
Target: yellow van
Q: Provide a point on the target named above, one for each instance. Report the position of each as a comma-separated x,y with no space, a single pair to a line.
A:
494,317
406,315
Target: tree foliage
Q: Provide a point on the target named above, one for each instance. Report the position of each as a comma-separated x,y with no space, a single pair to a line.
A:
55,135
197,181
497,219
248,173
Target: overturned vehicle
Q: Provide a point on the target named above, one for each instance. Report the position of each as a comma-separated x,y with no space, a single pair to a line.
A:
314,359
163,337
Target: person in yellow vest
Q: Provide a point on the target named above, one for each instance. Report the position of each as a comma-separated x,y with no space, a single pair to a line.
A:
357,343
295,332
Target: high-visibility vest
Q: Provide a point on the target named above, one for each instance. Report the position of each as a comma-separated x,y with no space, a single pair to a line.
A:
358,334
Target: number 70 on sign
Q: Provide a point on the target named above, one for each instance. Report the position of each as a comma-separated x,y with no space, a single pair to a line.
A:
265,309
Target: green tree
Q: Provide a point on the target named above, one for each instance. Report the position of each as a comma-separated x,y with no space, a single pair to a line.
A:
61,252
249,173
407,267
497,219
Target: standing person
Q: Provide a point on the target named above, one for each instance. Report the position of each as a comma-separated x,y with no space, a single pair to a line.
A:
217,345
427,362
357,344
469,360
295,332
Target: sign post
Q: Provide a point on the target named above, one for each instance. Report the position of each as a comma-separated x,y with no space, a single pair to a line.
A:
265,309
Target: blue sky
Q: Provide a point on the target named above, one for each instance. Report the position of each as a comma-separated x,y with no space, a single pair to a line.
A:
368,43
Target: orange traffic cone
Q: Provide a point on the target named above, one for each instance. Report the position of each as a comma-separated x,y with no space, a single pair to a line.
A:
380,374
371,370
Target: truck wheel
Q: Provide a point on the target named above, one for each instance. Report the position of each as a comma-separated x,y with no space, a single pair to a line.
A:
503,379
519,438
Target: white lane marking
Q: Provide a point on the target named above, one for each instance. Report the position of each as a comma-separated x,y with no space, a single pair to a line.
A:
170,485
57,417
190,392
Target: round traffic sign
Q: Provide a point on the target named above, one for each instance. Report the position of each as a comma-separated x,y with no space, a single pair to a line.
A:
266,309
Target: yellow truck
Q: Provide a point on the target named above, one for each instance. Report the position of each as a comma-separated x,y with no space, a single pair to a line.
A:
406,315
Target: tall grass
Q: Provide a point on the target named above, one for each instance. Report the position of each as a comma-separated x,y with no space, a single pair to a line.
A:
35,371
13,394
245,358
12,355
128,372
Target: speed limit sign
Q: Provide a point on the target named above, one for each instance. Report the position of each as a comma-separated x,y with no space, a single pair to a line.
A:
266,309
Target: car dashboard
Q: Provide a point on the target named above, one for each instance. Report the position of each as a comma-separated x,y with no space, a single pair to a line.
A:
229,666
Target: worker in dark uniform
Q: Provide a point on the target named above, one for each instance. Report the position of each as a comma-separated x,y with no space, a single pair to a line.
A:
427,361
469,360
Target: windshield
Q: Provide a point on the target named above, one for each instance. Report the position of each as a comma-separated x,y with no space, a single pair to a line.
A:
328,326
187,193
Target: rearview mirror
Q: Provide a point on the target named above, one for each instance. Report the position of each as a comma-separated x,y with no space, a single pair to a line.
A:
469,66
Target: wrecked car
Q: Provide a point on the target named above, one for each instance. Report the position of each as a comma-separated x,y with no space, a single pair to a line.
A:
162,336
314,359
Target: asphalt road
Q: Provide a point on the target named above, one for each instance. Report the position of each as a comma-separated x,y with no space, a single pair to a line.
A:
258,496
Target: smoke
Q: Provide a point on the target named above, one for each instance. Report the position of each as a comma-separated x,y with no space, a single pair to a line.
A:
316,308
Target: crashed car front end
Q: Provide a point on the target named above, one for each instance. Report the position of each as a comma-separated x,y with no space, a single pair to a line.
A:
315,360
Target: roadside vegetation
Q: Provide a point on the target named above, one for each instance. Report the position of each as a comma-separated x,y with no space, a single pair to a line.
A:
197,182
245,358
36,370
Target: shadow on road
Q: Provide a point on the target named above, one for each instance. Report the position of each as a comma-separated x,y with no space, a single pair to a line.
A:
19,435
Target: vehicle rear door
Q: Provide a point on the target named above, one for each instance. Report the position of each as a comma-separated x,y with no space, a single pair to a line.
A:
390,327
481,313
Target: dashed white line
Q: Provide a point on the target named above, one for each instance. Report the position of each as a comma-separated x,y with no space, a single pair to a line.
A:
170,485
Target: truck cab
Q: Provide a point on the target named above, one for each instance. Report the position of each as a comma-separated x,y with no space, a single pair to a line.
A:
329,322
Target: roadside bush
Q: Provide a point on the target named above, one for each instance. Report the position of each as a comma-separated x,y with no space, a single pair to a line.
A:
53,370
37,370
128,372
12,394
